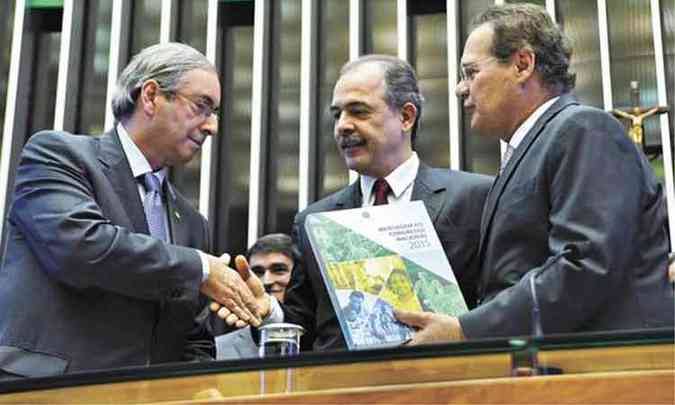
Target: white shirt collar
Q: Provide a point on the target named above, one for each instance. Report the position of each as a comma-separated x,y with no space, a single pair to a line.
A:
137,161
527,125
400,180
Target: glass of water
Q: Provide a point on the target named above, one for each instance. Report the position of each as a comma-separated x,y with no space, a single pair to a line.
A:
278,339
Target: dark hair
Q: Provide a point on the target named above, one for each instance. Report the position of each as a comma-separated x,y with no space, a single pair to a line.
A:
518,26
276,243
400,82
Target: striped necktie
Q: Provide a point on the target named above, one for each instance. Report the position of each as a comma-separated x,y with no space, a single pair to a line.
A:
153,205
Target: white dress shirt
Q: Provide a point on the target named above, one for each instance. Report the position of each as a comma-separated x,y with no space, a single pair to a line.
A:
527,125
401,181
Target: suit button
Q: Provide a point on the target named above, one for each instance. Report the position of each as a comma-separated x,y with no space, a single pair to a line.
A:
175,293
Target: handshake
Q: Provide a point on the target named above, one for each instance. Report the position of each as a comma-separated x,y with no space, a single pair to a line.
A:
238,295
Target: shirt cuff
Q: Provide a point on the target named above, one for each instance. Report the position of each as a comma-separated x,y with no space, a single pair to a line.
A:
205,265
276,314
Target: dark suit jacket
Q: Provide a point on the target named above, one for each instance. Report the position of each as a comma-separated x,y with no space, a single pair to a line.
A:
82,285
454,201
578,206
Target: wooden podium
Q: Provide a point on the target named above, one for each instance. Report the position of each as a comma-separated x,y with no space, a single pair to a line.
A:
635,367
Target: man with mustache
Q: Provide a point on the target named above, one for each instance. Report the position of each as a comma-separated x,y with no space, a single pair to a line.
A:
559,251
377,107
105,260
272,258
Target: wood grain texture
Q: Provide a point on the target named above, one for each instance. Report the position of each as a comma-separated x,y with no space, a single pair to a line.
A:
629,387
589,374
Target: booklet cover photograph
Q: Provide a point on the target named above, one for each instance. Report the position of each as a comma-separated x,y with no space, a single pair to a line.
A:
375,258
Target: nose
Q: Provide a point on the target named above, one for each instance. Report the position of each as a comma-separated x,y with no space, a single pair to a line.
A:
210,125
462,89
268,278
343,125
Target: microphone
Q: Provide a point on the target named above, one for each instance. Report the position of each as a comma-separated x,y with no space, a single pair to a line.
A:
537,329
528,353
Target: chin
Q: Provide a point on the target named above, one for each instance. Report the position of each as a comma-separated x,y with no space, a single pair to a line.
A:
356,165
480,131
186,157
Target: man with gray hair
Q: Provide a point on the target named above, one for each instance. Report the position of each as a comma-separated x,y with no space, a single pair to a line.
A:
559,252
105,260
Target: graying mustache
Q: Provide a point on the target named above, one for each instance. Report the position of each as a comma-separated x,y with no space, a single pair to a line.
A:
350,141
201,138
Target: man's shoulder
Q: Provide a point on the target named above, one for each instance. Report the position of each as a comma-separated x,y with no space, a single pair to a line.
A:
61,139
575,121
468,178
574,109
329,203
60,147
569,111
455,179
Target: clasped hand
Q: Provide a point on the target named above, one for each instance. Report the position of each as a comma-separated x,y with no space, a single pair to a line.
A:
238,296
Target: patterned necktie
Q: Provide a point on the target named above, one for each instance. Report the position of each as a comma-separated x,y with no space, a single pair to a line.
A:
381,189
153,206
505,158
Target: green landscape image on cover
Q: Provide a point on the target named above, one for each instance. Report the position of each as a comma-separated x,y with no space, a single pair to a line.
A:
354,262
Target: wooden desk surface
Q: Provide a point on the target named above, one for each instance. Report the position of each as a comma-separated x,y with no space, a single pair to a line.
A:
629,374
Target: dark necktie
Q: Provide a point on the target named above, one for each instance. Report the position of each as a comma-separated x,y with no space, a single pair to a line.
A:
381,189
153,206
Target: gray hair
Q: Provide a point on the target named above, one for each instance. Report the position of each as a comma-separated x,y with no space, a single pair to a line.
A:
166,63
517,26
400,82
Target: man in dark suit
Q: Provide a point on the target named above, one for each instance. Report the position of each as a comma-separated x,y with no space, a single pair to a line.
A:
573,235
377,107
104,265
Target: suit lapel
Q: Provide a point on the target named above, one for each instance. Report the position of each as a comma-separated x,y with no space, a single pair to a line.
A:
484,216
351,197
178,226
117,169
503,179
428,190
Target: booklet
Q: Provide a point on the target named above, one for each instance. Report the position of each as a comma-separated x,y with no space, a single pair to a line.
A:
375,258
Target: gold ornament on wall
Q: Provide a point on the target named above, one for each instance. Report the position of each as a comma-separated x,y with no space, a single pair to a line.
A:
636,115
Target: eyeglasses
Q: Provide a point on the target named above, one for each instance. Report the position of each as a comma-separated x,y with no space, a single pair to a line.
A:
201,105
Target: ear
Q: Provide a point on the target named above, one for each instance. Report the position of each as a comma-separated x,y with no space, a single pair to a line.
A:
148,97
408,116
524,61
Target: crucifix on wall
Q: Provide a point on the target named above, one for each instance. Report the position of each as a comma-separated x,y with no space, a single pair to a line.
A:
636,115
